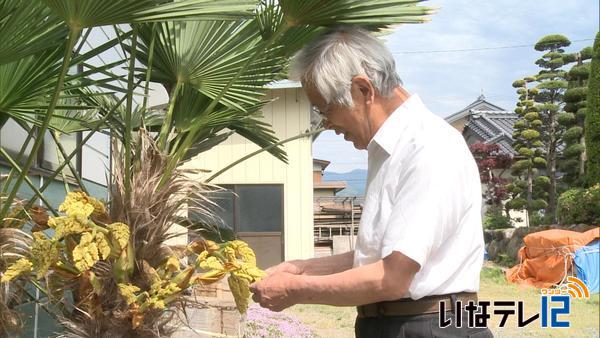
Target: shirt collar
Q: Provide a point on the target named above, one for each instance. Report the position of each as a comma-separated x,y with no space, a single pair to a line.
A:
390,132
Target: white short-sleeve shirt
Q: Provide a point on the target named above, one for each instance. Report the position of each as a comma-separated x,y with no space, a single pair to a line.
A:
423,199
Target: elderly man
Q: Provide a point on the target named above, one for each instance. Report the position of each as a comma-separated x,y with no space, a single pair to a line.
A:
420,238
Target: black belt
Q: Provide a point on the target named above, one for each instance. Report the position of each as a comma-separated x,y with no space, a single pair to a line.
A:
410,307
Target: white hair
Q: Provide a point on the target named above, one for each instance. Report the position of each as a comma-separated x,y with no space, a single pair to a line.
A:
331,61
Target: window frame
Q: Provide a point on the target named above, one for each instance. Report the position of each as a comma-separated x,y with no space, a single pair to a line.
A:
236,227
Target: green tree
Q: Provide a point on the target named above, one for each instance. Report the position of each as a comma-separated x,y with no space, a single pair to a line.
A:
528,191
551,85
572,162
592,120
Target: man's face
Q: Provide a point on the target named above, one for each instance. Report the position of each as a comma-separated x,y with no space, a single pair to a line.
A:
351,122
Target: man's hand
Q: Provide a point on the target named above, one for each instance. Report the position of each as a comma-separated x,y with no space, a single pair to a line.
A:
274,291
293,267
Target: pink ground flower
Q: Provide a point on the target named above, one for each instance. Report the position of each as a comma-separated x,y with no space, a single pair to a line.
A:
261,322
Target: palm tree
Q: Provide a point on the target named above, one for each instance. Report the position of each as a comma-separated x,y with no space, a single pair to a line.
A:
213,57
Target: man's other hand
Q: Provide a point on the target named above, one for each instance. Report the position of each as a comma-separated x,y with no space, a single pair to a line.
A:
274,291
292,267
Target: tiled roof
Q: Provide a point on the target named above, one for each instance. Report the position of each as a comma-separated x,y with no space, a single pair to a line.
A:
480,104
494,127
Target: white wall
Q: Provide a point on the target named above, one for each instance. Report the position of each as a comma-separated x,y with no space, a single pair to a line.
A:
289,115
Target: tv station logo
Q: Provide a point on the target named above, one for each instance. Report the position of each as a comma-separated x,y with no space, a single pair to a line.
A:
555,306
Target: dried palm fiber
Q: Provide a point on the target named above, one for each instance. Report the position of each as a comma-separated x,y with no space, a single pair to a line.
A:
150,210
14,244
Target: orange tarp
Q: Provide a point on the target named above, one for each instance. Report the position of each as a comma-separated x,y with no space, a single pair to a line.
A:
546,257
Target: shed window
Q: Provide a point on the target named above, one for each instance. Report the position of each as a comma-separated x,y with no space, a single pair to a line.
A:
249,208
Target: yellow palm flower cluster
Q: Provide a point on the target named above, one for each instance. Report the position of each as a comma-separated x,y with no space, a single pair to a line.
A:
20,267
79,204
235,258
120,233
92,247
159,295
65,226
91,242
128,291
44,253
165,287
80,240
215,261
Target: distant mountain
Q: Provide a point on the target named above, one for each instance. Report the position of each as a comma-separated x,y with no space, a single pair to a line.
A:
356,180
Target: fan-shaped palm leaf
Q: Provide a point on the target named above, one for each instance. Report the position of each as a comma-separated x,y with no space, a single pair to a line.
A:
206,55
27,27
208,128
270,20
199,59
23,83
74,120
26,85
89,13
149,119
358,12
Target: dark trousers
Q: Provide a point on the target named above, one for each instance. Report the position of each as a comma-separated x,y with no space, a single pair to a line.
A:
415,326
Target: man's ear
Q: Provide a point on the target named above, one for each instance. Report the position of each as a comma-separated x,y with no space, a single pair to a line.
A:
364,85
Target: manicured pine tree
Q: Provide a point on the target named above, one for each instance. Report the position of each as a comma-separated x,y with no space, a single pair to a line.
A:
592,119
572,162
528,190
551,85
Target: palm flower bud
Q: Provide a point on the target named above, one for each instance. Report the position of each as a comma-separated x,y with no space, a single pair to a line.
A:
128,291
182,279
172,264
124,264
120,233
198,247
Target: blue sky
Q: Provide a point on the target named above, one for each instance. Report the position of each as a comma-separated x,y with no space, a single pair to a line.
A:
449,81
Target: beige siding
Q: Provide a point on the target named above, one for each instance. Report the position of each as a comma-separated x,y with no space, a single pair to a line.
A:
460,124
289,115
324,193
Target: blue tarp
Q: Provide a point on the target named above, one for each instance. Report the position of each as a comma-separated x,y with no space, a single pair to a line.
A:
587,262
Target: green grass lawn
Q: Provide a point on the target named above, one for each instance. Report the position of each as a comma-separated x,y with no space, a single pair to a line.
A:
334,322
584,316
